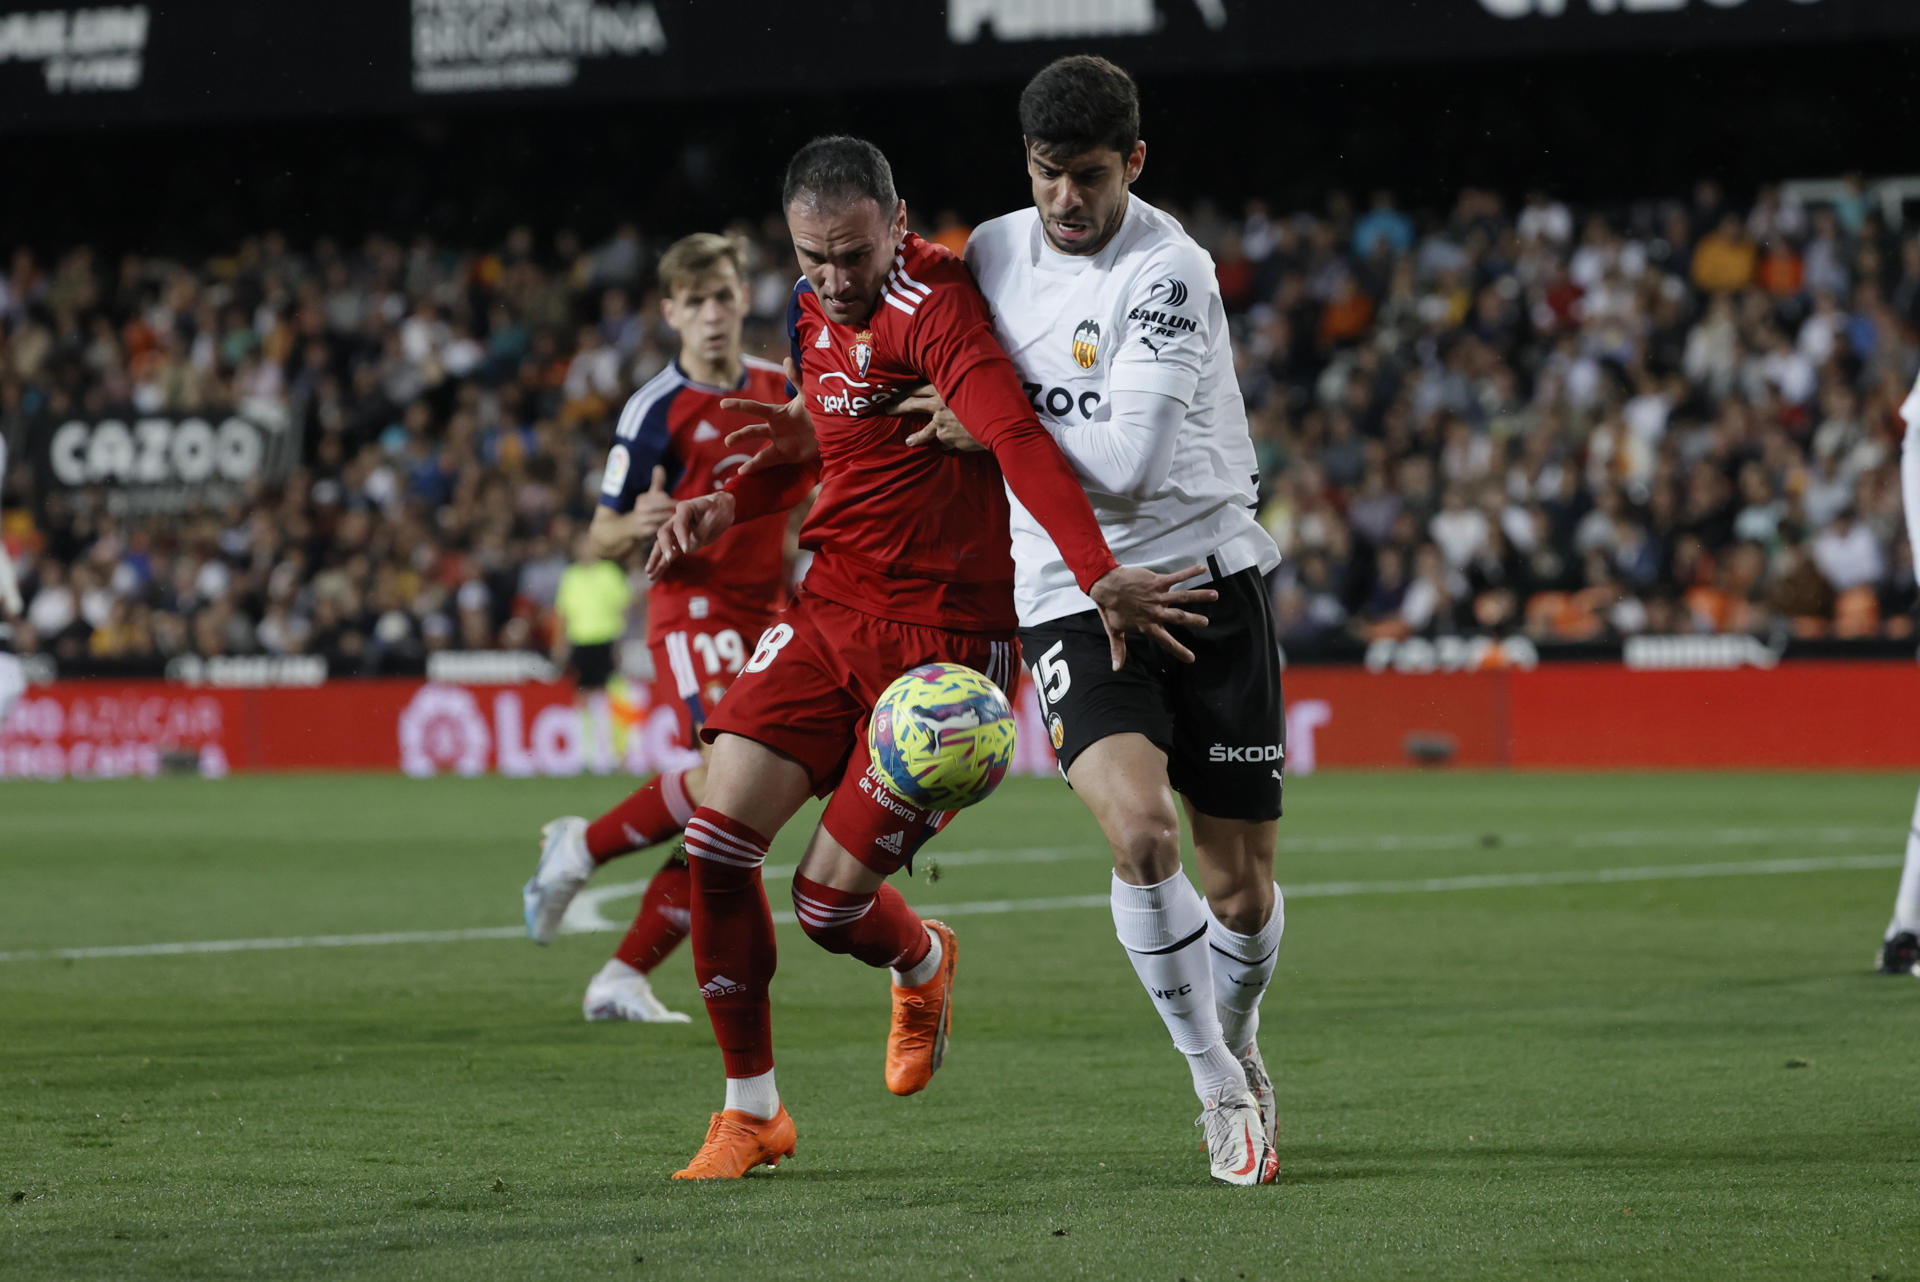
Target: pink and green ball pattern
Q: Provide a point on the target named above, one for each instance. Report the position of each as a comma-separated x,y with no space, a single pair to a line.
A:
941,737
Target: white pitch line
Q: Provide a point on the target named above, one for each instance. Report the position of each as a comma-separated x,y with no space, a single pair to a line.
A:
982,907
585,915
273,944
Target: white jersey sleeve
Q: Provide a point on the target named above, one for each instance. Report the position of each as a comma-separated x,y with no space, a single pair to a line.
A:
1130,453
1910,470
1174,315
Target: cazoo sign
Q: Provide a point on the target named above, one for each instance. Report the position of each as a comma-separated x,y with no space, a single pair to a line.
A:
163,462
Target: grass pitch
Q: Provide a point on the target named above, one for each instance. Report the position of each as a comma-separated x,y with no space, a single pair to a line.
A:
1524,1026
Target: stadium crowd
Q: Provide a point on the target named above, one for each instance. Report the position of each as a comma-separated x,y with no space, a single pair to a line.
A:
1665,417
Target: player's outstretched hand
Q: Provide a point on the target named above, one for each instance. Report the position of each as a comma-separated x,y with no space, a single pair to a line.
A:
1133,598
941,427
695,523
788,430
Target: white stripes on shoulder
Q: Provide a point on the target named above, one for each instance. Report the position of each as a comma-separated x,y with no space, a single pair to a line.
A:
903,292
641,403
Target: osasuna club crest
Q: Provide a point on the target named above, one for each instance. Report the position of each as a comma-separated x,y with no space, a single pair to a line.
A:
1086,343
862,351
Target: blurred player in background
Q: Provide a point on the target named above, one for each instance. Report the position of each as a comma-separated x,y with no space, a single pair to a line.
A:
1113,315
1900,949
911,566
703,612
13,681
592,604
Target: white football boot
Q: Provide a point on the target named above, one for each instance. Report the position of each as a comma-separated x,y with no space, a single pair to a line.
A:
1237,1147
621,992
1262,1088
564,867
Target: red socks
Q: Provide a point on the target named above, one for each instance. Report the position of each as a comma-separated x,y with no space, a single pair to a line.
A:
879,929
733,949
651,814
664,918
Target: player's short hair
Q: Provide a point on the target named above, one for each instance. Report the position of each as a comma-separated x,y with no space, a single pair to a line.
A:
691,257
1078,103
837,170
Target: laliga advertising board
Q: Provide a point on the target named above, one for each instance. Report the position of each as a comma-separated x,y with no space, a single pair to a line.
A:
109,730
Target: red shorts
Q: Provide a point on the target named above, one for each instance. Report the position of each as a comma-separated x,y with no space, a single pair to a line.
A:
695,662
808,691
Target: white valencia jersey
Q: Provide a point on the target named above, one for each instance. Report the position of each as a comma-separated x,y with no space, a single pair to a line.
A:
1144,314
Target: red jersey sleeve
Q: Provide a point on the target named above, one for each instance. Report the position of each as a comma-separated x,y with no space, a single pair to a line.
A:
952,344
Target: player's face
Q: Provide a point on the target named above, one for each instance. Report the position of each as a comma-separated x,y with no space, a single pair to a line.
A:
707,311
845,253
1082,198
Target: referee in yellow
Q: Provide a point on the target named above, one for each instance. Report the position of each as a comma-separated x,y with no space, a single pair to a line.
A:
592,604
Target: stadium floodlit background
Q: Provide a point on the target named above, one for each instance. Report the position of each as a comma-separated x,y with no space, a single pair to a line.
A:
1572,333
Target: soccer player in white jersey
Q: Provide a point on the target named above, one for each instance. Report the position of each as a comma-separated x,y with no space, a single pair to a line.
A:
1113,316
1900,949
13,681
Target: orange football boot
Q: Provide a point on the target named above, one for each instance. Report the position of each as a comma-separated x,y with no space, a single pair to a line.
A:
737,1142
922,1018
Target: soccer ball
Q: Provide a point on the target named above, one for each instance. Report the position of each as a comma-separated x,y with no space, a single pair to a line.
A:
941,737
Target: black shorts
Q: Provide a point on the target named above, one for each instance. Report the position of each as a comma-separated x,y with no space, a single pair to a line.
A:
592,665
1219,719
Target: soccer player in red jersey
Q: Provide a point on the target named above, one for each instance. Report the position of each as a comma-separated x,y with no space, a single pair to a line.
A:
702,612
911,565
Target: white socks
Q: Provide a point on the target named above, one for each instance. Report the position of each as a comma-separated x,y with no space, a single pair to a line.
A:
1242,969
1164,930
1906,905
755,1095
926,969
617,969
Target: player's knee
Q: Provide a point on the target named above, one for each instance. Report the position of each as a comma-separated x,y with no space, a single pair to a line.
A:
1146,848
828,916
1244,909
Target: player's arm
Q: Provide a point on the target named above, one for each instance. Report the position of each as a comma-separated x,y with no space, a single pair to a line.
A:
1153,377
615,534
956,349
634,489
1127,452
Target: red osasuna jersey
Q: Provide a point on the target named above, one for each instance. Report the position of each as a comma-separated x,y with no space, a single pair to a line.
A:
676,423
918,534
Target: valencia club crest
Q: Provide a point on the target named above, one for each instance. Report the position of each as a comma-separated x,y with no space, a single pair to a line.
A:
1086,343
862,351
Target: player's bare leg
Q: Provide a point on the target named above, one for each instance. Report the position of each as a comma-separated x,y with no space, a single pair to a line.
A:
1163,924
751,793
846,906
1246,916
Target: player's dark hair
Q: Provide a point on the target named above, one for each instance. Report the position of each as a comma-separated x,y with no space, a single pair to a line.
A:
1079,103
691,257
837,170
